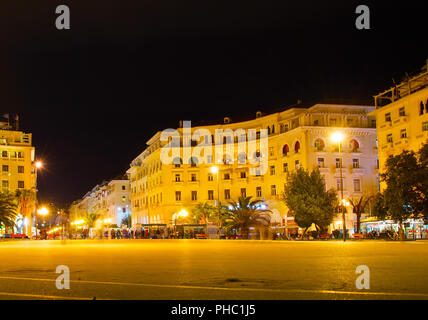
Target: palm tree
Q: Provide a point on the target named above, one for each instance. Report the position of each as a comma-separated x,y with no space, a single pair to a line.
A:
245,214
26,205
202,212
91,219
359,206
8,208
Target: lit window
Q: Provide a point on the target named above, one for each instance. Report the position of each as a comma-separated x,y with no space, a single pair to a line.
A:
210,194
273,190
272,170
177,195
388,117
357,185
226,193
389,138
194,195
259,192
403,134
321,163
355,163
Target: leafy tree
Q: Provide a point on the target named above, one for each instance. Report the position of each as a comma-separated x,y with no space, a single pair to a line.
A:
359,206
127,220
306,196
91,219
400,196
8,209
245,214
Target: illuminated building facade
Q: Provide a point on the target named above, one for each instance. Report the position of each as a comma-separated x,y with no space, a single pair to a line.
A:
297,137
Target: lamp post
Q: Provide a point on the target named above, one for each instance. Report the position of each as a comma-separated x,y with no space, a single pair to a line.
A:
37,165
214,170
43,211
337,137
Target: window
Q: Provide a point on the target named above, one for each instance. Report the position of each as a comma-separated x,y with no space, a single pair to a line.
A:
402,112
332,122
210,194
355,163
273,190
210,177
403,134
319,144
421,108
321,163
271,152
4,154
297,147
177,195
316,122
243,174
338,162
21,184
193,161
227,193
227,176
285,167
354,145
123,199
193,177
297,164
339,184
357,185
5,168
389,138
209,159
259,192
243,192
5,183
272,170
20,169
123,187
242,158
388,117
177,162
194,195
177,177
285,149
425,126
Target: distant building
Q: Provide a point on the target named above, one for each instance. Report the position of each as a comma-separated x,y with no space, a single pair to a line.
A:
402,117
17,168
109,200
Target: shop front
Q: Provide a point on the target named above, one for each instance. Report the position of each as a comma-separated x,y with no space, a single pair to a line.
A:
413,228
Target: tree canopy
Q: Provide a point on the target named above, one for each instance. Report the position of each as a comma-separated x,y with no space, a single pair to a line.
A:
305,194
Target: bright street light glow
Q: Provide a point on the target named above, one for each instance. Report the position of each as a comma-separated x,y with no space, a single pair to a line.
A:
39,164
214,169
183,213
43,211
337,137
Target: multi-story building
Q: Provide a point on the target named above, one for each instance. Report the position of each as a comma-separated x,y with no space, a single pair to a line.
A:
297,137
17,168
402,117
108,200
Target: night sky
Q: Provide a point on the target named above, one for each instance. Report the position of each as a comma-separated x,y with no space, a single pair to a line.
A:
93,95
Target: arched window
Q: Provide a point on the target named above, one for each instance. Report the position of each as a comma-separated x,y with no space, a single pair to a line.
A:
227,159
354,145
257,155
285,149
297,147
242,158
319,144
177,162
193,161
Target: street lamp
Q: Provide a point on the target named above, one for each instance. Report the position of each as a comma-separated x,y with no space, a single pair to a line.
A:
43,211
214,170
37,165
337,137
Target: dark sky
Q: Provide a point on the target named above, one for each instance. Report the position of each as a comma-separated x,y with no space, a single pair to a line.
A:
93,95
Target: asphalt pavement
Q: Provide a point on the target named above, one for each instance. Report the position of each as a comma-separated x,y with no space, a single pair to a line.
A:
213,269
